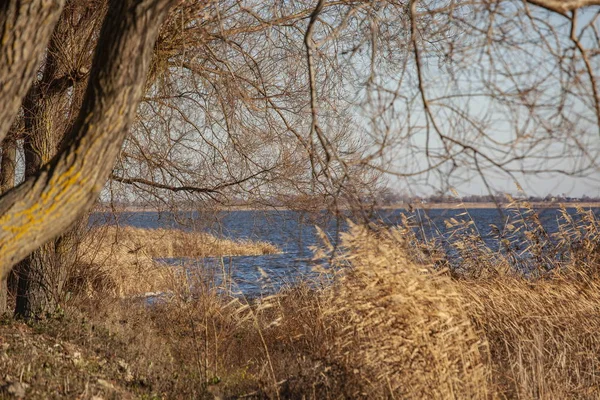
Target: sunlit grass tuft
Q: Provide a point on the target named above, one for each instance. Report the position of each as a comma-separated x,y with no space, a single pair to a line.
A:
121,261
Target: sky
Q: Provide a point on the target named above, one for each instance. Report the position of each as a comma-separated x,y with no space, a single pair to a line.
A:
540,186
526,95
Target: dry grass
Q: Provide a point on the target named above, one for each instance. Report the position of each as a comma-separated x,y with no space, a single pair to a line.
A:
534,298
406,333
397,323
121,261
543,335
178,243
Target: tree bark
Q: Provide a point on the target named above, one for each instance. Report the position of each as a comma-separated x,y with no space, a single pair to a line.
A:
25,29
46,204
41,276
39,283
7,181
8,164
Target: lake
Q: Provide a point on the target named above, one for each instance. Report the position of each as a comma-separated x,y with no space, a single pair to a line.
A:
295,234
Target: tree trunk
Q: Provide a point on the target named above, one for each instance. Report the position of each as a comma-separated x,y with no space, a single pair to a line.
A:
25,28
38,283
50,201
7,181
8,164
49,110
41,275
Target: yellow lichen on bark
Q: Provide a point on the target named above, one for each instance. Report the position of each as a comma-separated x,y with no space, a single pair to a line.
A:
37,213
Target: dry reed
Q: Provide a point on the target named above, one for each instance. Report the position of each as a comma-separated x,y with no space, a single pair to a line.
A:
167,243
534,297
543,335
406,333
401,320
121,261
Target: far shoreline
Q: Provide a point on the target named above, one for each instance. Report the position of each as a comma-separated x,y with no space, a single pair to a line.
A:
405,206
452,206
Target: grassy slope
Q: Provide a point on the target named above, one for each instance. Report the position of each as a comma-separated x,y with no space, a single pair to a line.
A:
41,365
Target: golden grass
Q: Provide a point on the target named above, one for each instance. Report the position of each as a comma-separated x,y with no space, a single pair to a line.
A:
534,300
397,322
178,243
120,261
406,333
543,335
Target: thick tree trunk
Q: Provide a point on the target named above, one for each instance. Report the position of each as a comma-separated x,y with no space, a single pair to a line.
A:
7,181
8,164
25,28
46,204
39,283
49,110
42,274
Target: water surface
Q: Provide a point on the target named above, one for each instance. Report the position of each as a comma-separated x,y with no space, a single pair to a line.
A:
296,234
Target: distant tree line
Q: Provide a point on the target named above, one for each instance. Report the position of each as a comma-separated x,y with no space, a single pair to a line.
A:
385,197
390,197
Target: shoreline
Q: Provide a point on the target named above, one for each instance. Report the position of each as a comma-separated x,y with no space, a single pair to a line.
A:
489,205
422,206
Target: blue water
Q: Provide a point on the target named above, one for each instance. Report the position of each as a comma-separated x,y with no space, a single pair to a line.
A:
295,234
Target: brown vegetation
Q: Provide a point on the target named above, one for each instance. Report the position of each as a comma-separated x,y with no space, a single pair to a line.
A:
397,323
297,101
120,261
166,243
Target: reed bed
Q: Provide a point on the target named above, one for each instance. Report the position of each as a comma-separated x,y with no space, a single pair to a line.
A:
407,333
542,335
121,261
402,320
167,243
533,296
520,246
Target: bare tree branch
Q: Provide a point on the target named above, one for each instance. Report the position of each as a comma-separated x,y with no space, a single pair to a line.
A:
564,6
